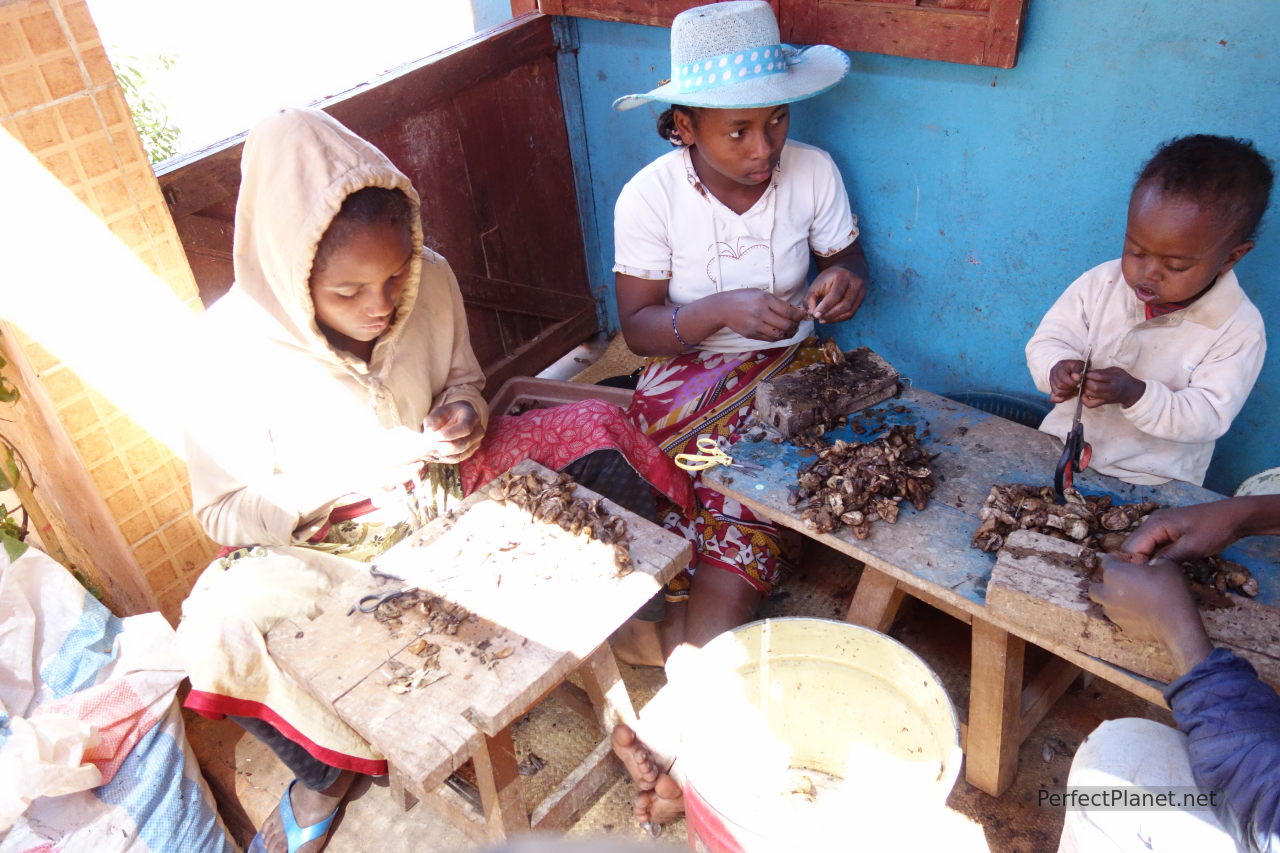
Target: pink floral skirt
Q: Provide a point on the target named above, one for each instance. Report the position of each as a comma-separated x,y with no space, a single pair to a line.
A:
680,398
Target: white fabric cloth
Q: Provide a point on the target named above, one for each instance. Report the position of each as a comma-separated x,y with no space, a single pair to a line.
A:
93,752
1199,365
668,226
1143,753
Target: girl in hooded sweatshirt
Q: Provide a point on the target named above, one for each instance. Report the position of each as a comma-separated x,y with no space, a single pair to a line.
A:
335,371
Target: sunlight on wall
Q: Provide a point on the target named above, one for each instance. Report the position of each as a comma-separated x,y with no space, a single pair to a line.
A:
73,287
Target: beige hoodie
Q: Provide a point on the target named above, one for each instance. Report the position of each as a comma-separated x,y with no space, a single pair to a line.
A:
282,426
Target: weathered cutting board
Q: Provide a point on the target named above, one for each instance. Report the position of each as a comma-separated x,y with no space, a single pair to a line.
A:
550,613
1040,582
821,393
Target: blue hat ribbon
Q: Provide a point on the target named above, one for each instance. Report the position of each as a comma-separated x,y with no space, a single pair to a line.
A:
729,68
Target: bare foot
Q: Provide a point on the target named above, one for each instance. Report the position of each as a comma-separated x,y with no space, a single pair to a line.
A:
637,643
661,805
309,807
637,760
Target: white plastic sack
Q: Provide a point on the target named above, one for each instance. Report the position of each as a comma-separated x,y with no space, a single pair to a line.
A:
93,753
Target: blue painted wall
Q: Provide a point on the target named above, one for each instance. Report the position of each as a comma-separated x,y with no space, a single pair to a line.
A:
982,193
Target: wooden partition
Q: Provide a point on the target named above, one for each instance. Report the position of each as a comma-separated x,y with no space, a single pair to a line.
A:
480,130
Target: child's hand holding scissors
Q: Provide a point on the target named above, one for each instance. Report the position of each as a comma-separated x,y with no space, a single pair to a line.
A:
1064,379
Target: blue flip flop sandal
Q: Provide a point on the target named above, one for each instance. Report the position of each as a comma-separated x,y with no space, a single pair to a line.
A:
295,835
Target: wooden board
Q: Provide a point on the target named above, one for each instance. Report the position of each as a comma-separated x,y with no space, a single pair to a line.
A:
552,626
974,450
821,393
1038,581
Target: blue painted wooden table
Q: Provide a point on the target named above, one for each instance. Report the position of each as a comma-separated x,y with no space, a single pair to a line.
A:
927,554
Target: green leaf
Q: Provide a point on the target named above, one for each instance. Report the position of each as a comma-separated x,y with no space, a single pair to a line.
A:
9,474
12,547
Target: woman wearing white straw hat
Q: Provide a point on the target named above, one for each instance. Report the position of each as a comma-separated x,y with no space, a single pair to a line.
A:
713,243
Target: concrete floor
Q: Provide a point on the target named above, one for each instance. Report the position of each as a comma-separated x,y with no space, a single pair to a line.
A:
248,780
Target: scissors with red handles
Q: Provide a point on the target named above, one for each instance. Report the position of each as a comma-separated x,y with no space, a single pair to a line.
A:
1077,452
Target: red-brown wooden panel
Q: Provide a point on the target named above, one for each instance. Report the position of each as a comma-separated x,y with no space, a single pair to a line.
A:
655,13
480,131
974,32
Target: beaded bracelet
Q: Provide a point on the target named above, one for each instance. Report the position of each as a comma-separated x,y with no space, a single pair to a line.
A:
682,341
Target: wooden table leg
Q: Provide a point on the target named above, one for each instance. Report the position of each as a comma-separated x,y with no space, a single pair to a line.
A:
498,778
401,789
876,601
603,681
995,708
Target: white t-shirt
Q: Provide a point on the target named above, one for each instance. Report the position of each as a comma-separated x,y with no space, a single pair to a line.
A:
668,226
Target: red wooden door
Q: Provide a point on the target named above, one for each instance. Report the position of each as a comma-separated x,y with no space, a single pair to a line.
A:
479,129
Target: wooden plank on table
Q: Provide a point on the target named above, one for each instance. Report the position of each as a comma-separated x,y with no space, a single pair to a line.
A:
1040,582
428,733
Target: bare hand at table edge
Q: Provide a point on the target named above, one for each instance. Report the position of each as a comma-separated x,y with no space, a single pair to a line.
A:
1151,601
1188,532
454,431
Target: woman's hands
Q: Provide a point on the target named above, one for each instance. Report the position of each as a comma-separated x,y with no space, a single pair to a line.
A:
835,295
758,314
453,432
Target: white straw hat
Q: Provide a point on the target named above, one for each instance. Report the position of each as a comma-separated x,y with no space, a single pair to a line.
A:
729,55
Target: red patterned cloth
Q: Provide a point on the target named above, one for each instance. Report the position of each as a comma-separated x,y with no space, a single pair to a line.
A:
680,398
556,437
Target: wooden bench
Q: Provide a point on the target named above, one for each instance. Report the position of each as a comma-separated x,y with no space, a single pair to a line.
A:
927,555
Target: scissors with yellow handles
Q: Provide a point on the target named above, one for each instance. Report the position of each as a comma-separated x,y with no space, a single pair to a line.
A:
710,454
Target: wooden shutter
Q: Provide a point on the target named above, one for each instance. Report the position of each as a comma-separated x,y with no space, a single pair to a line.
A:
974,32
479,128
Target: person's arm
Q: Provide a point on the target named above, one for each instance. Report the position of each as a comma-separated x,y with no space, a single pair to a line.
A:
1204,410
465,379
649,322
241,498
1188,532
459,415
1231,719
838,290
1232,723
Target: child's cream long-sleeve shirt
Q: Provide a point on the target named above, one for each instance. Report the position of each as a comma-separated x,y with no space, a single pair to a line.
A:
1199,365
